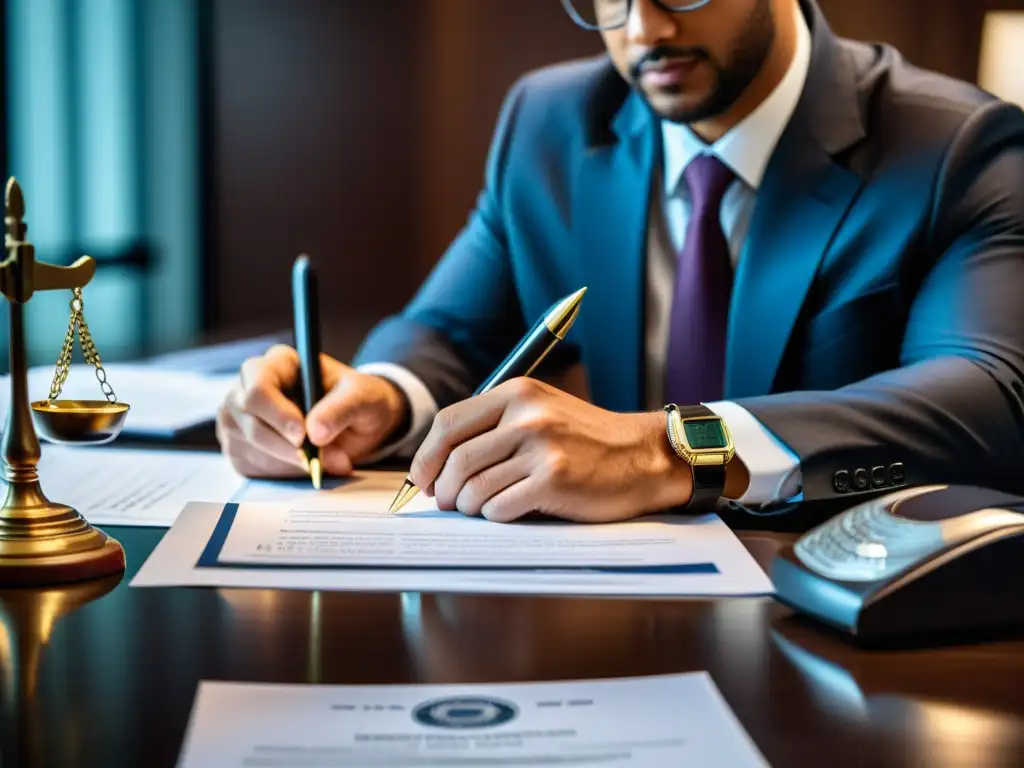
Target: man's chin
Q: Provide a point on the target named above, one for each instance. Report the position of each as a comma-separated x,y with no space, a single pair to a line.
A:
681,108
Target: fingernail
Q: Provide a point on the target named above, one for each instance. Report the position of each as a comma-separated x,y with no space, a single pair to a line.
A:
317,432
295,433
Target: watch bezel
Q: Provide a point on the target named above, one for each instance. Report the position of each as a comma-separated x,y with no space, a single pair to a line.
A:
698,456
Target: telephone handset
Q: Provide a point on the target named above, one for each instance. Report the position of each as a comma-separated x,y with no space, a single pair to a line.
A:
920,560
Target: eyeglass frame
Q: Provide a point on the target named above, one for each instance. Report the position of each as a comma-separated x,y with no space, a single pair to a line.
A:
569,8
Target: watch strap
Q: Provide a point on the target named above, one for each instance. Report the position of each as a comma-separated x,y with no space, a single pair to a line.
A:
708,479
708,486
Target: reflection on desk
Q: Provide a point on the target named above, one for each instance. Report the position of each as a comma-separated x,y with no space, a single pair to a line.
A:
942,705
119,676
28,617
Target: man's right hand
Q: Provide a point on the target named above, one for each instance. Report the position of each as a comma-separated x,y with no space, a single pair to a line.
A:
261,430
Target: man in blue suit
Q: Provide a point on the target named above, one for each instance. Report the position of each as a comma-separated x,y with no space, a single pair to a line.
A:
819,242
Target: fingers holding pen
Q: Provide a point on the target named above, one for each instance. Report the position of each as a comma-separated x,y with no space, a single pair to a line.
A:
259,394
255,450
452,427
471,451
470,473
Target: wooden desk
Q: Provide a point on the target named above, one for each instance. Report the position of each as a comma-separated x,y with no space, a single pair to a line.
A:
116,683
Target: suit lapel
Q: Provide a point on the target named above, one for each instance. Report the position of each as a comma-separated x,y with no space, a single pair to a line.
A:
610,217
801,203
803,200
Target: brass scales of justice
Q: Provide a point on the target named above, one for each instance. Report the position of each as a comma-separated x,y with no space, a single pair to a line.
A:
41,541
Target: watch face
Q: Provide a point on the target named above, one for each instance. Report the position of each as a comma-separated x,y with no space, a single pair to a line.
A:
705,434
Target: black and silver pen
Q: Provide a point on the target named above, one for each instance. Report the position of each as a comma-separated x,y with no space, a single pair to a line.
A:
521,361
306,311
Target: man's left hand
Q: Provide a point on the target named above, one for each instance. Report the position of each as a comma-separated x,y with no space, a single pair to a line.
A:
527,447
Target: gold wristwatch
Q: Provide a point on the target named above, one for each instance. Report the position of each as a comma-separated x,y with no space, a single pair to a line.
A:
701,438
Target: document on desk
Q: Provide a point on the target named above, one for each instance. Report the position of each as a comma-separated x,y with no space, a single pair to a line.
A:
283,536
653,722
362,491
112,486
163,402
311,546
149,488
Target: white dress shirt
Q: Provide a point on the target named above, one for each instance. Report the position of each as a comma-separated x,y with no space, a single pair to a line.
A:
746,149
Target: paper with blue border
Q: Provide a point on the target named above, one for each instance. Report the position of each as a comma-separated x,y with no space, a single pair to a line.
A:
710,562
618,555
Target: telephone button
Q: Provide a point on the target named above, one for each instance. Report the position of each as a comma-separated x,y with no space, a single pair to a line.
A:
897,474
841,481
860,479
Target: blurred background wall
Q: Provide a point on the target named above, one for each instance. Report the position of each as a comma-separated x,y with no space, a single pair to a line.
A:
199,145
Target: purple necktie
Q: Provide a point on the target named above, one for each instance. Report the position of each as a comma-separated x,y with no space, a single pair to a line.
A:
695,361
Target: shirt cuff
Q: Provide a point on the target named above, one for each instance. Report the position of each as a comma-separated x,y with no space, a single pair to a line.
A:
774,469
422,409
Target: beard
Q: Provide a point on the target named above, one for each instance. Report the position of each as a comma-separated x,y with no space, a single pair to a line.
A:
731,77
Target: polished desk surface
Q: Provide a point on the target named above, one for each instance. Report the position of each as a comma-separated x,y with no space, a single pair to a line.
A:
114,685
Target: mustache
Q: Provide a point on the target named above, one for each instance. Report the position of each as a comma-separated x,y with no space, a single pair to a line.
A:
662,53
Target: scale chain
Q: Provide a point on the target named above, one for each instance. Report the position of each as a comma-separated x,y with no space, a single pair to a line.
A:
92,356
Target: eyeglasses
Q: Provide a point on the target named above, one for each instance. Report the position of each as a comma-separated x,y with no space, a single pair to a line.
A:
600,15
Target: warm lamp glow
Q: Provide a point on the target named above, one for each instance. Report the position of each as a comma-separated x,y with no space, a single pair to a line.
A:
1001,72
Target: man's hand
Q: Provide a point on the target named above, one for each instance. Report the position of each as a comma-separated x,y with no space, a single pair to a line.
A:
527,447
261,430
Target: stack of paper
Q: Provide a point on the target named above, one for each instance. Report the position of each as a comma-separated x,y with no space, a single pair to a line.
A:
128,486
226,357
163,402
350,543
124,486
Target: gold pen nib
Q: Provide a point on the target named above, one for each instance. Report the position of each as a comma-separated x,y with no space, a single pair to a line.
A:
316,471
561,317
409,490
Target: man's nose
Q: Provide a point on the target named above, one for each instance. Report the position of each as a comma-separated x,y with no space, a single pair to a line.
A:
648,25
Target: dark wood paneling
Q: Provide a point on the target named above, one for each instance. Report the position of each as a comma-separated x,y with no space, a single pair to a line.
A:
315,145
475,52
950,46
358,131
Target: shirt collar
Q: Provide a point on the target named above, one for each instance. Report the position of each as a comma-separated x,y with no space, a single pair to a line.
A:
748,146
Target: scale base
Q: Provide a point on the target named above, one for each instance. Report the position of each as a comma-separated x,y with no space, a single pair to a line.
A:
46,543
106,560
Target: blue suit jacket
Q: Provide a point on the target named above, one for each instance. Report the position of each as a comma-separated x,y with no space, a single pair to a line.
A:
877,321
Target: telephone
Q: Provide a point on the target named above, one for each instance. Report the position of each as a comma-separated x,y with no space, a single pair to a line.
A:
930,559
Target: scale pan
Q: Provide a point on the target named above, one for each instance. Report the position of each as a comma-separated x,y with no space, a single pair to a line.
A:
79,422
